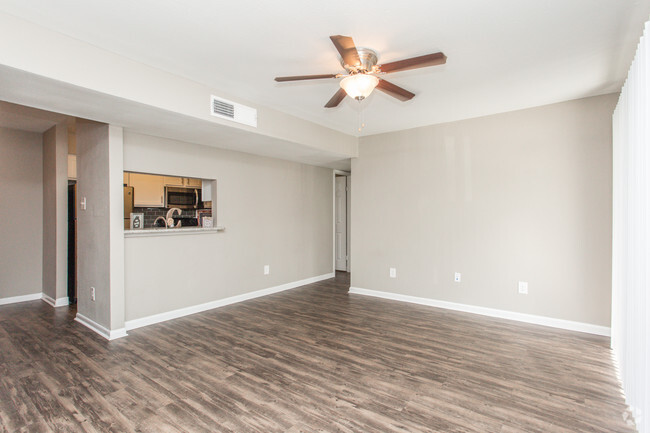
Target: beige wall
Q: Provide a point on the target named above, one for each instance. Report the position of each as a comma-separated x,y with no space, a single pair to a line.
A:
55,212
21,213
275,212
100,242
523,196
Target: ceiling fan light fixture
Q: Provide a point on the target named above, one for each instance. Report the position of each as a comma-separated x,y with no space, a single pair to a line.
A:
359,86
360,65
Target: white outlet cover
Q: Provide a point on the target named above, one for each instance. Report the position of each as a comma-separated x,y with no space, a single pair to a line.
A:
457,277
523,287
392,272
267,269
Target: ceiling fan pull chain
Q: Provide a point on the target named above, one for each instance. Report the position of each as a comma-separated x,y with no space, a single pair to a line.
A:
362,123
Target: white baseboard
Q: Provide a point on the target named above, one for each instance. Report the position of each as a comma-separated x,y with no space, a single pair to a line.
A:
22,298
169,315
59,302
492,312
104,332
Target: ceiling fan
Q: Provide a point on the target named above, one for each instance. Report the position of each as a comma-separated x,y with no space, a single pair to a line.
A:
362,70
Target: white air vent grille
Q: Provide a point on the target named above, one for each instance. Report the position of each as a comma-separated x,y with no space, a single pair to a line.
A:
223,108
229,110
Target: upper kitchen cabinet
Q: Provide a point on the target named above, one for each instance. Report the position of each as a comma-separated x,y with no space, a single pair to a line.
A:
173,181
148,190
194,183
182,181
72,166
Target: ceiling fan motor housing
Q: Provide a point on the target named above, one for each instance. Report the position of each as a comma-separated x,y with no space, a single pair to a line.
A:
368,60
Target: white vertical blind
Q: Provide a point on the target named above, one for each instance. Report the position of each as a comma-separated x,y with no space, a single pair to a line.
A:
631,237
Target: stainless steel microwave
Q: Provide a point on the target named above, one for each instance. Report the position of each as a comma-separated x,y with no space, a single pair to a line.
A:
182,198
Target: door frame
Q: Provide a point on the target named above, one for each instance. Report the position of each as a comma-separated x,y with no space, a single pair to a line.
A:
348,175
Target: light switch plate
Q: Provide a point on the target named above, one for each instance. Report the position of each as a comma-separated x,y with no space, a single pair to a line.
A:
457,277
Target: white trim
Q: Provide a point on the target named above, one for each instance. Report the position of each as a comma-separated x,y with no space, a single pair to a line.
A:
492,312
107,334
172,232
59,302
21,298
50,300
174,314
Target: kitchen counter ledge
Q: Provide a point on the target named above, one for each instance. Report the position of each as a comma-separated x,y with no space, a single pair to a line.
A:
170,232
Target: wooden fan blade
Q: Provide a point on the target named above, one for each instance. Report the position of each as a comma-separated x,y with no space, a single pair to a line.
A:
414,63
347,49
394,91
305,77
336,99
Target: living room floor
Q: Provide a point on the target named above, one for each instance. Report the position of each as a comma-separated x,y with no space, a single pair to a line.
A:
309,359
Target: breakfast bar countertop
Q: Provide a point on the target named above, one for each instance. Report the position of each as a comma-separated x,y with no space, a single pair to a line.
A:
161,231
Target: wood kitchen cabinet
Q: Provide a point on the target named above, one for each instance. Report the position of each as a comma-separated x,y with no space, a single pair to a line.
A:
192,182
72,166
182,181
173,181
148,190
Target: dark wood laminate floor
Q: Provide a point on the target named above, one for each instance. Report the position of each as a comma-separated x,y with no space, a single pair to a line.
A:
310,359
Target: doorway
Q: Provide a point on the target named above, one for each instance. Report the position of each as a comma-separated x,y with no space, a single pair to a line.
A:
341,222
72,242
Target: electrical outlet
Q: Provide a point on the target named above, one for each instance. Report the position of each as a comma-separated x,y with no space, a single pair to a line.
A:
523,287
82,204
92,293
267,269
392,272
457,277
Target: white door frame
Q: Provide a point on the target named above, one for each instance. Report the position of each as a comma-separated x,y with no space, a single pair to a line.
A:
348,175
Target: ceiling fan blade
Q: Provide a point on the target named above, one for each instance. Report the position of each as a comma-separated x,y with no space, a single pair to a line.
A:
347,49
394,91
336,99
414,63
305,77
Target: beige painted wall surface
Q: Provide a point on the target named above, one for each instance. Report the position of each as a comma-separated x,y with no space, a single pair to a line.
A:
276,213
93,224
49,207
55,212
21,210
100,236
520,196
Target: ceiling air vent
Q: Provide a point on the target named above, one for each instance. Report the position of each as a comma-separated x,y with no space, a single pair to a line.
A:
223,108
229,110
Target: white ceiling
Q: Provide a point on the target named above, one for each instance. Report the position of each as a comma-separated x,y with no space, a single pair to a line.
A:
502,54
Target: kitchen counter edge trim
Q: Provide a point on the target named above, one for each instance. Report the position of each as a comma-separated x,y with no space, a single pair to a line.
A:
171,232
